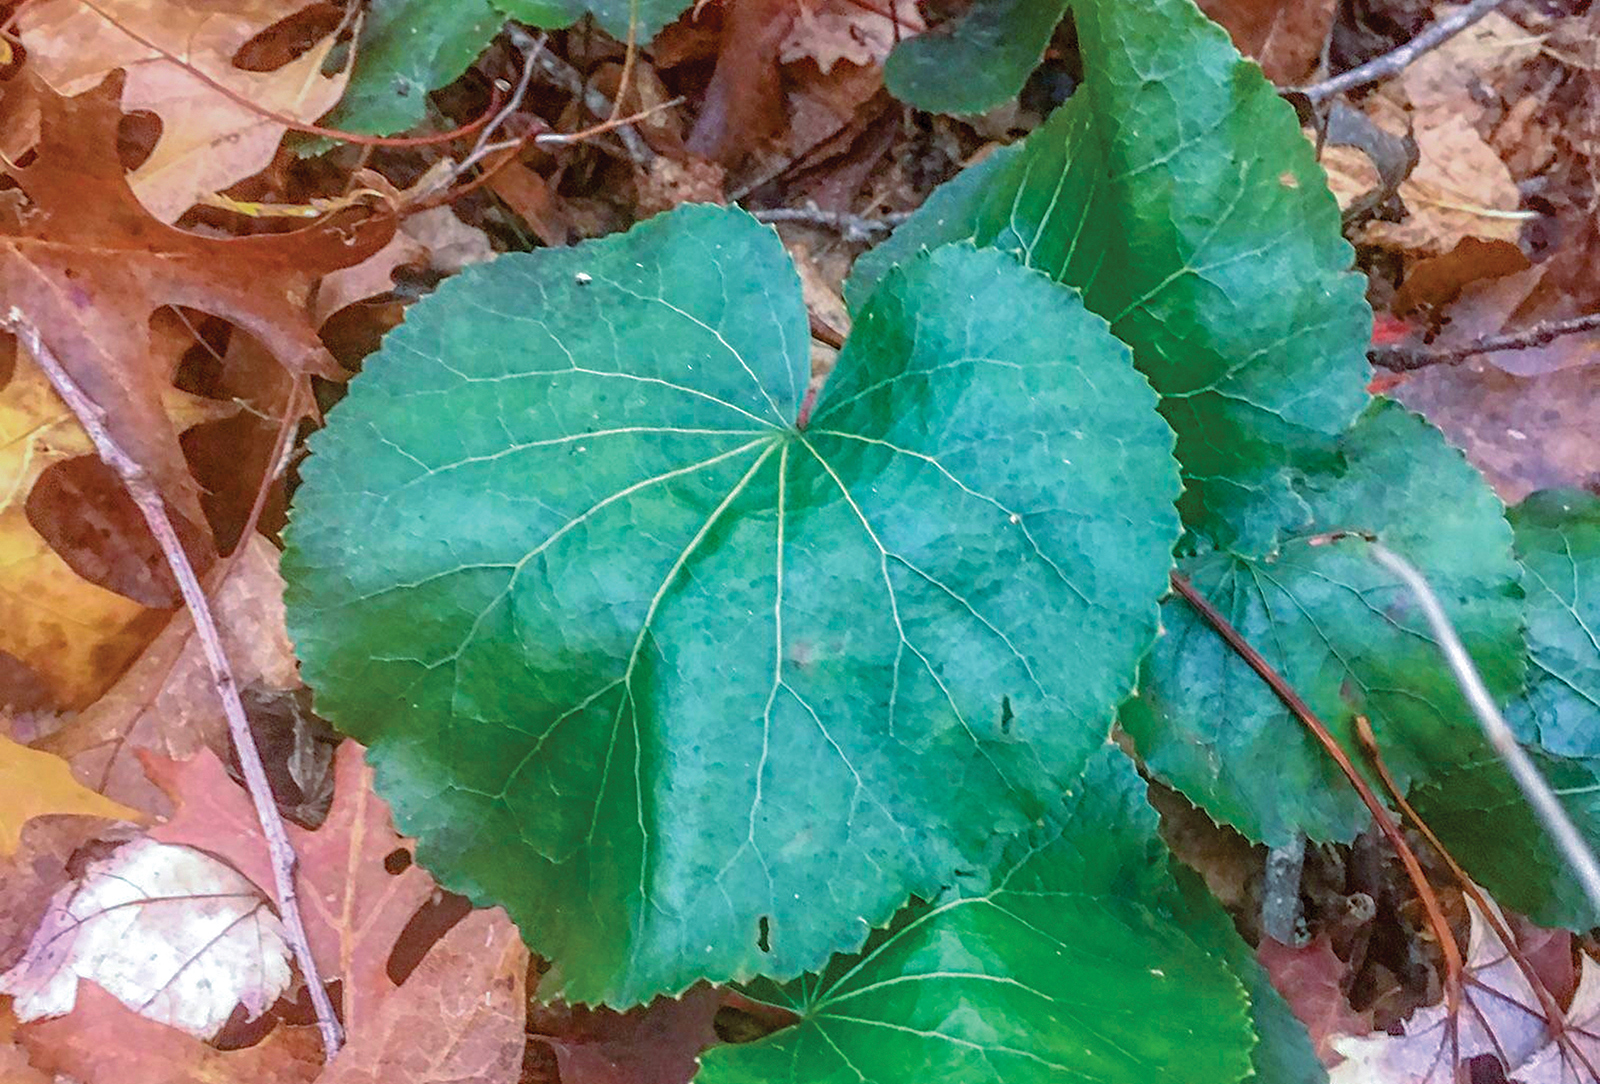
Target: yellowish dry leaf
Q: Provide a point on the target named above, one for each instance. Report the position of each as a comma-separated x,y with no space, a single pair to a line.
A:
208,140
36,784
76,637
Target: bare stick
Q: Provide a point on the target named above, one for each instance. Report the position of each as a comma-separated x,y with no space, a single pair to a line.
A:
851,227
1395,60
564,75
1405,359
1533,785
137,480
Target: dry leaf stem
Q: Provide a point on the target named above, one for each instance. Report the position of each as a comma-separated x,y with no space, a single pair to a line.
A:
1308,718
1396,59
151,505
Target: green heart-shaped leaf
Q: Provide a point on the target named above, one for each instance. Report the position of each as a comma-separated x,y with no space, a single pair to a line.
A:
1346,634
1075,966
694,691
1175,189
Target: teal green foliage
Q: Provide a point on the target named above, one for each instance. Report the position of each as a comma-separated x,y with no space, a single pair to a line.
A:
980,62
408,48
1073,965
1174,189
622,632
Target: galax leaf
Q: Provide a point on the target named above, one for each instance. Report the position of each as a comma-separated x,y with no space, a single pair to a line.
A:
1175,190
1557,719
1346,634
689,688
1054,974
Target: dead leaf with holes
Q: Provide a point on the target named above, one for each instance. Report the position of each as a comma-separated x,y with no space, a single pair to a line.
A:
208,141
169,931
1499,1017
359,891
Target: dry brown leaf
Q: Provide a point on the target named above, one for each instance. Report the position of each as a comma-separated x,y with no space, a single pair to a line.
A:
1311,979
1438,280
1464,73
457,1017
36,784
744,101
828,31
659,1043
72,635
355,910
88,265
14,1065
102,1041
1284,36
167,701
1459,189
208,141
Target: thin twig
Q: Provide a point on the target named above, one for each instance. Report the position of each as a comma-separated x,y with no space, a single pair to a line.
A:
850,227
1308,718
1394,61
137,480
1533,785
482,147
564,75
1405,359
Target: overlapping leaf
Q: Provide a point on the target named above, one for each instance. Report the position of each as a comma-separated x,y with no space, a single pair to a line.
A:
978,63
1557,718
1175,190
1055,973
1345,633
622,632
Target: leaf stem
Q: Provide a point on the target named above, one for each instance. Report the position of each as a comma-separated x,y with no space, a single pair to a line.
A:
151,505
1308,718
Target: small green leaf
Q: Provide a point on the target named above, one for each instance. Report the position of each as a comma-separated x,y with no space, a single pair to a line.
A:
690,690
980,62
1478,810
1066,970
406,49
612,16
1176,191
1558,539
1345,633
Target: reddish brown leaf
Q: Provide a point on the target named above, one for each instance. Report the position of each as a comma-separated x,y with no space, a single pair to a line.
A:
656,1044
1311,979
457,1017
102,1041
88,265
744,103
1284,36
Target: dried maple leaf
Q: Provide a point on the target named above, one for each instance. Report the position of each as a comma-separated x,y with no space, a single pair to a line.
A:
102,1041
167,700
208,141
1499,1016
171,932
88,265
458,1015
34,784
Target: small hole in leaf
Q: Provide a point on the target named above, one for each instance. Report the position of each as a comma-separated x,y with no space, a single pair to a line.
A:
432,921
397,861
1288,179
762,938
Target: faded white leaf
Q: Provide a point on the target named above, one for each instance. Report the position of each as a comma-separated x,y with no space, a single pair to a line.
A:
171,932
